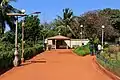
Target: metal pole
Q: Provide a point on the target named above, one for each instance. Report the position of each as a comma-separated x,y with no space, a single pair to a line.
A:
43,38
15,62
102,37
22,57
81,33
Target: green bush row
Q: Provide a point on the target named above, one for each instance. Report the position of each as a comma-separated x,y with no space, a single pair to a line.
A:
83,50
7,57
32,51
111,65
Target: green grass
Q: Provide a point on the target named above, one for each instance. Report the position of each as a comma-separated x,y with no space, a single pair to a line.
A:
82,51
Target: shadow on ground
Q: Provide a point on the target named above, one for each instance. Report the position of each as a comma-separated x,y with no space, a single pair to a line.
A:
33,61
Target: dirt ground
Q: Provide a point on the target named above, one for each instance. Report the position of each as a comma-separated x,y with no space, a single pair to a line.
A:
56,65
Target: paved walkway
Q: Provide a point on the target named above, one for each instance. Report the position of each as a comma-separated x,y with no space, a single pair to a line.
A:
56,65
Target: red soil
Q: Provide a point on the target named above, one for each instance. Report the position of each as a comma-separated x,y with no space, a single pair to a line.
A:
56,65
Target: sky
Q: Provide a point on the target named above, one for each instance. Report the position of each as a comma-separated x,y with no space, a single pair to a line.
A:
51,8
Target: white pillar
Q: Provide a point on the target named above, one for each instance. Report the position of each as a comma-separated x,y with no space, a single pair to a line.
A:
70,43
55,44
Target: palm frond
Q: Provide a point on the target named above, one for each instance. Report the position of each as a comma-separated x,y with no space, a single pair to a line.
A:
71,30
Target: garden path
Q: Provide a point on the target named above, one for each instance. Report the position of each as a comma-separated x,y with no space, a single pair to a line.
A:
56,65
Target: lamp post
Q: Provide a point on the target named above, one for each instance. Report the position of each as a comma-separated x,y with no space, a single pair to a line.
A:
23,25
15,62
22,57
102,36
81,26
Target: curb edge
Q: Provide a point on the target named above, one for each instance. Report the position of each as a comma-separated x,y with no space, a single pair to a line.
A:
105,71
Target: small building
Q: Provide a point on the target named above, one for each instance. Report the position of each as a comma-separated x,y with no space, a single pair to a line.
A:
62,42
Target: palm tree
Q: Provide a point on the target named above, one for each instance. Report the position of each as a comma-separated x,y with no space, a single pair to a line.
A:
64,22
5,8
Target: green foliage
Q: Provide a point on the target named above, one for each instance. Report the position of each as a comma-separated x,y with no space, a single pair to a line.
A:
5,8
62,24
91,21
106,45
110,64
32,51
7,57
83,50
32,42
32,29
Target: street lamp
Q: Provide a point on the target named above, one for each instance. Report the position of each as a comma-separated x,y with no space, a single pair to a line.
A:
22,56
23,25
15,62
81,26
102,35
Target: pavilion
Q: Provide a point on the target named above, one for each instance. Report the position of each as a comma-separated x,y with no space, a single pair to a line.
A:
58,42
62,42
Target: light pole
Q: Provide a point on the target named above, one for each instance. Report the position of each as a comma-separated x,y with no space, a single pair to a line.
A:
81,26
102,36
15,62
23,25
22,57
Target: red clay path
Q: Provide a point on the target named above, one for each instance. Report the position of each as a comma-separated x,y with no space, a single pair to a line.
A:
56,65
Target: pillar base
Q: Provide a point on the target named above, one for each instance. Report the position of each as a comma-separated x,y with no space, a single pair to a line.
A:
22,60
15,62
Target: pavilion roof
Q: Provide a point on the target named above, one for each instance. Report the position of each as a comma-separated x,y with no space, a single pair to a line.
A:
58,37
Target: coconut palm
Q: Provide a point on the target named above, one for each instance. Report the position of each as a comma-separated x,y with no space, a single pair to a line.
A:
5,8
63,23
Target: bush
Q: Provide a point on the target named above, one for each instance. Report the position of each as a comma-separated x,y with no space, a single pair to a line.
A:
32,51
7,57
113,49
109,64
106,45
83,50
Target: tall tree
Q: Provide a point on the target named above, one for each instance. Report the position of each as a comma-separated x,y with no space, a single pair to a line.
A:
5,8
32,28
63,23
113,16
93,21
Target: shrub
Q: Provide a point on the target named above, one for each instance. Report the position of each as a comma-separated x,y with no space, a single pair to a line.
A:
113,50
7,57
106,45
32,51
82,51
111,65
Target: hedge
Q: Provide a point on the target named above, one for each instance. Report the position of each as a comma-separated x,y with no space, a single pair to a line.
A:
7,57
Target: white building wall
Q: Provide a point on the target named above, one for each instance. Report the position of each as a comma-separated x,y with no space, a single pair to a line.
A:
73,42
76,42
